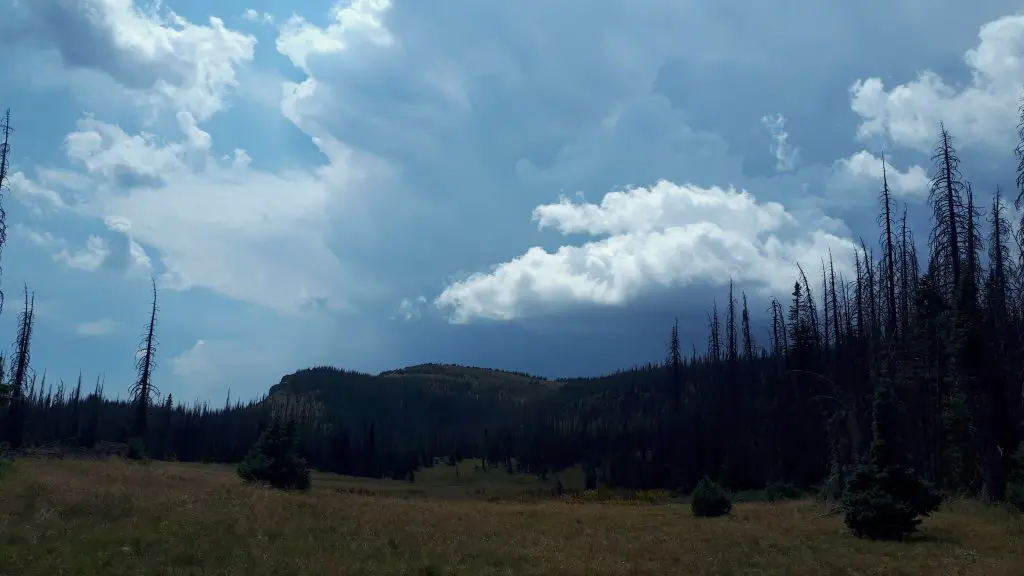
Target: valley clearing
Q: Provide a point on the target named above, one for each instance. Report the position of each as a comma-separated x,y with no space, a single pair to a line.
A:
61,517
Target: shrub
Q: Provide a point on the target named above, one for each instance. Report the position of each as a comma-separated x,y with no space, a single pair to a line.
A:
274,460
1015,483
778,491
710,500
136,450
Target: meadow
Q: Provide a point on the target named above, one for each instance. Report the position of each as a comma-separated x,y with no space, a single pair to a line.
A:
115,517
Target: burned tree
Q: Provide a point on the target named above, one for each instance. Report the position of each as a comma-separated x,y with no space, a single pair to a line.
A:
19,373
143,392
5,152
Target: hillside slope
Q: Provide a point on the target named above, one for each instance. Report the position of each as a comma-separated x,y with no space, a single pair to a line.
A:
462,399
424,397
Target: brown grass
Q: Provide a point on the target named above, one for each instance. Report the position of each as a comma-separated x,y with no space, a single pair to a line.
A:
100,518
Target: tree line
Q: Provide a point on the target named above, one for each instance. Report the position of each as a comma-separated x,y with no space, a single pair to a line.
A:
937,325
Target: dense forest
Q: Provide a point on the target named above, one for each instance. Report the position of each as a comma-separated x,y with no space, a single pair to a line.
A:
936,318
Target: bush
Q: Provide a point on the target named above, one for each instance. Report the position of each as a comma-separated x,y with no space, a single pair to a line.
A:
710,500
887,503
136,450
1015,483
778,491
274,460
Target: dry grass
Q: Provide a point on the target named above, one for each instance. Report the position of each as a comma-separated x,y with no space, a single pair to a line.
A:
100,518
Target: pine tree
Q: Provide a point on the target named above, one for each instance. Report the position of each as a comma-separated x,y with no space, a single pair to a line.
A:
709,500
274,459
885,498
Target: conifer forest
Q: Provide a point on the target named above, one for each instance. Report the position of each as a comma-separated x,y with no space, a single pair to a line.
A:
931,322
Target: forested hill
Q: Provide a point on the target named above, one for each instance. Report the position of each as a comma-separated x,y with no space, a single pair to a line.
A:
425,397
451,382
441,379
463,399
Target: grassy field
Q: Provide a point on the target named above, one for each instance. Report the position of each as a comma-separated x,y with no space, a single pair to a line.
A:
108,518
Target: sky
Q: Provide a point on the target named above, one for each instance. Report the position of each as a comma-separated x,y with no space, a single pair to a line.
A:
536,186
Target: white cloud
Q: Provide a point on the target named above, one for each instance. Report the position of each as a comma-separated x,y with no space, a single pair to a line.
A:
863,168
118,252
161,57
666,235
351,22
258,17
34,194
786,156
101,327
252,236
411,309
981,112
106,151
248,234
38,237
90,258
240,159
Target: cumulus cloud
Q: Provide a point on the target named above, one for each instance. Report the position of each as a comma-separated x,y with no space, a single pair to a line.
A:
118,252
34,194
94,328
248,234
980,112
91,257
411,309
863,168
120,159
786,155
161,57
351,22
665,235
258,17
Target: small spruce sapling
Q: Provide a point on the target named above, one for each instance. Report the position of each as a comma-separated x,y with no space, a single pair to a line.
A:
710,500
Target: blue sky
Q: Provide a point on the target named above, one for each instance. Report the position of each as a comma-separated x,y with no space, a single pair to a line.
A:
528,185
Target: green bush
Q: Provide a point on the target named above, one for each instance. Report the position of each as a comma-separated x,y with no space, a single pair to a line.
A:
136,450
887,503
778,491
710,500
274,460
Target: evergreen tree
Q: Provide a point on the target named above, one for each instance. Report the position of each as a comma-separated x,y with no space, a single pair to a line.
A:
710,500
274,460
885,498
